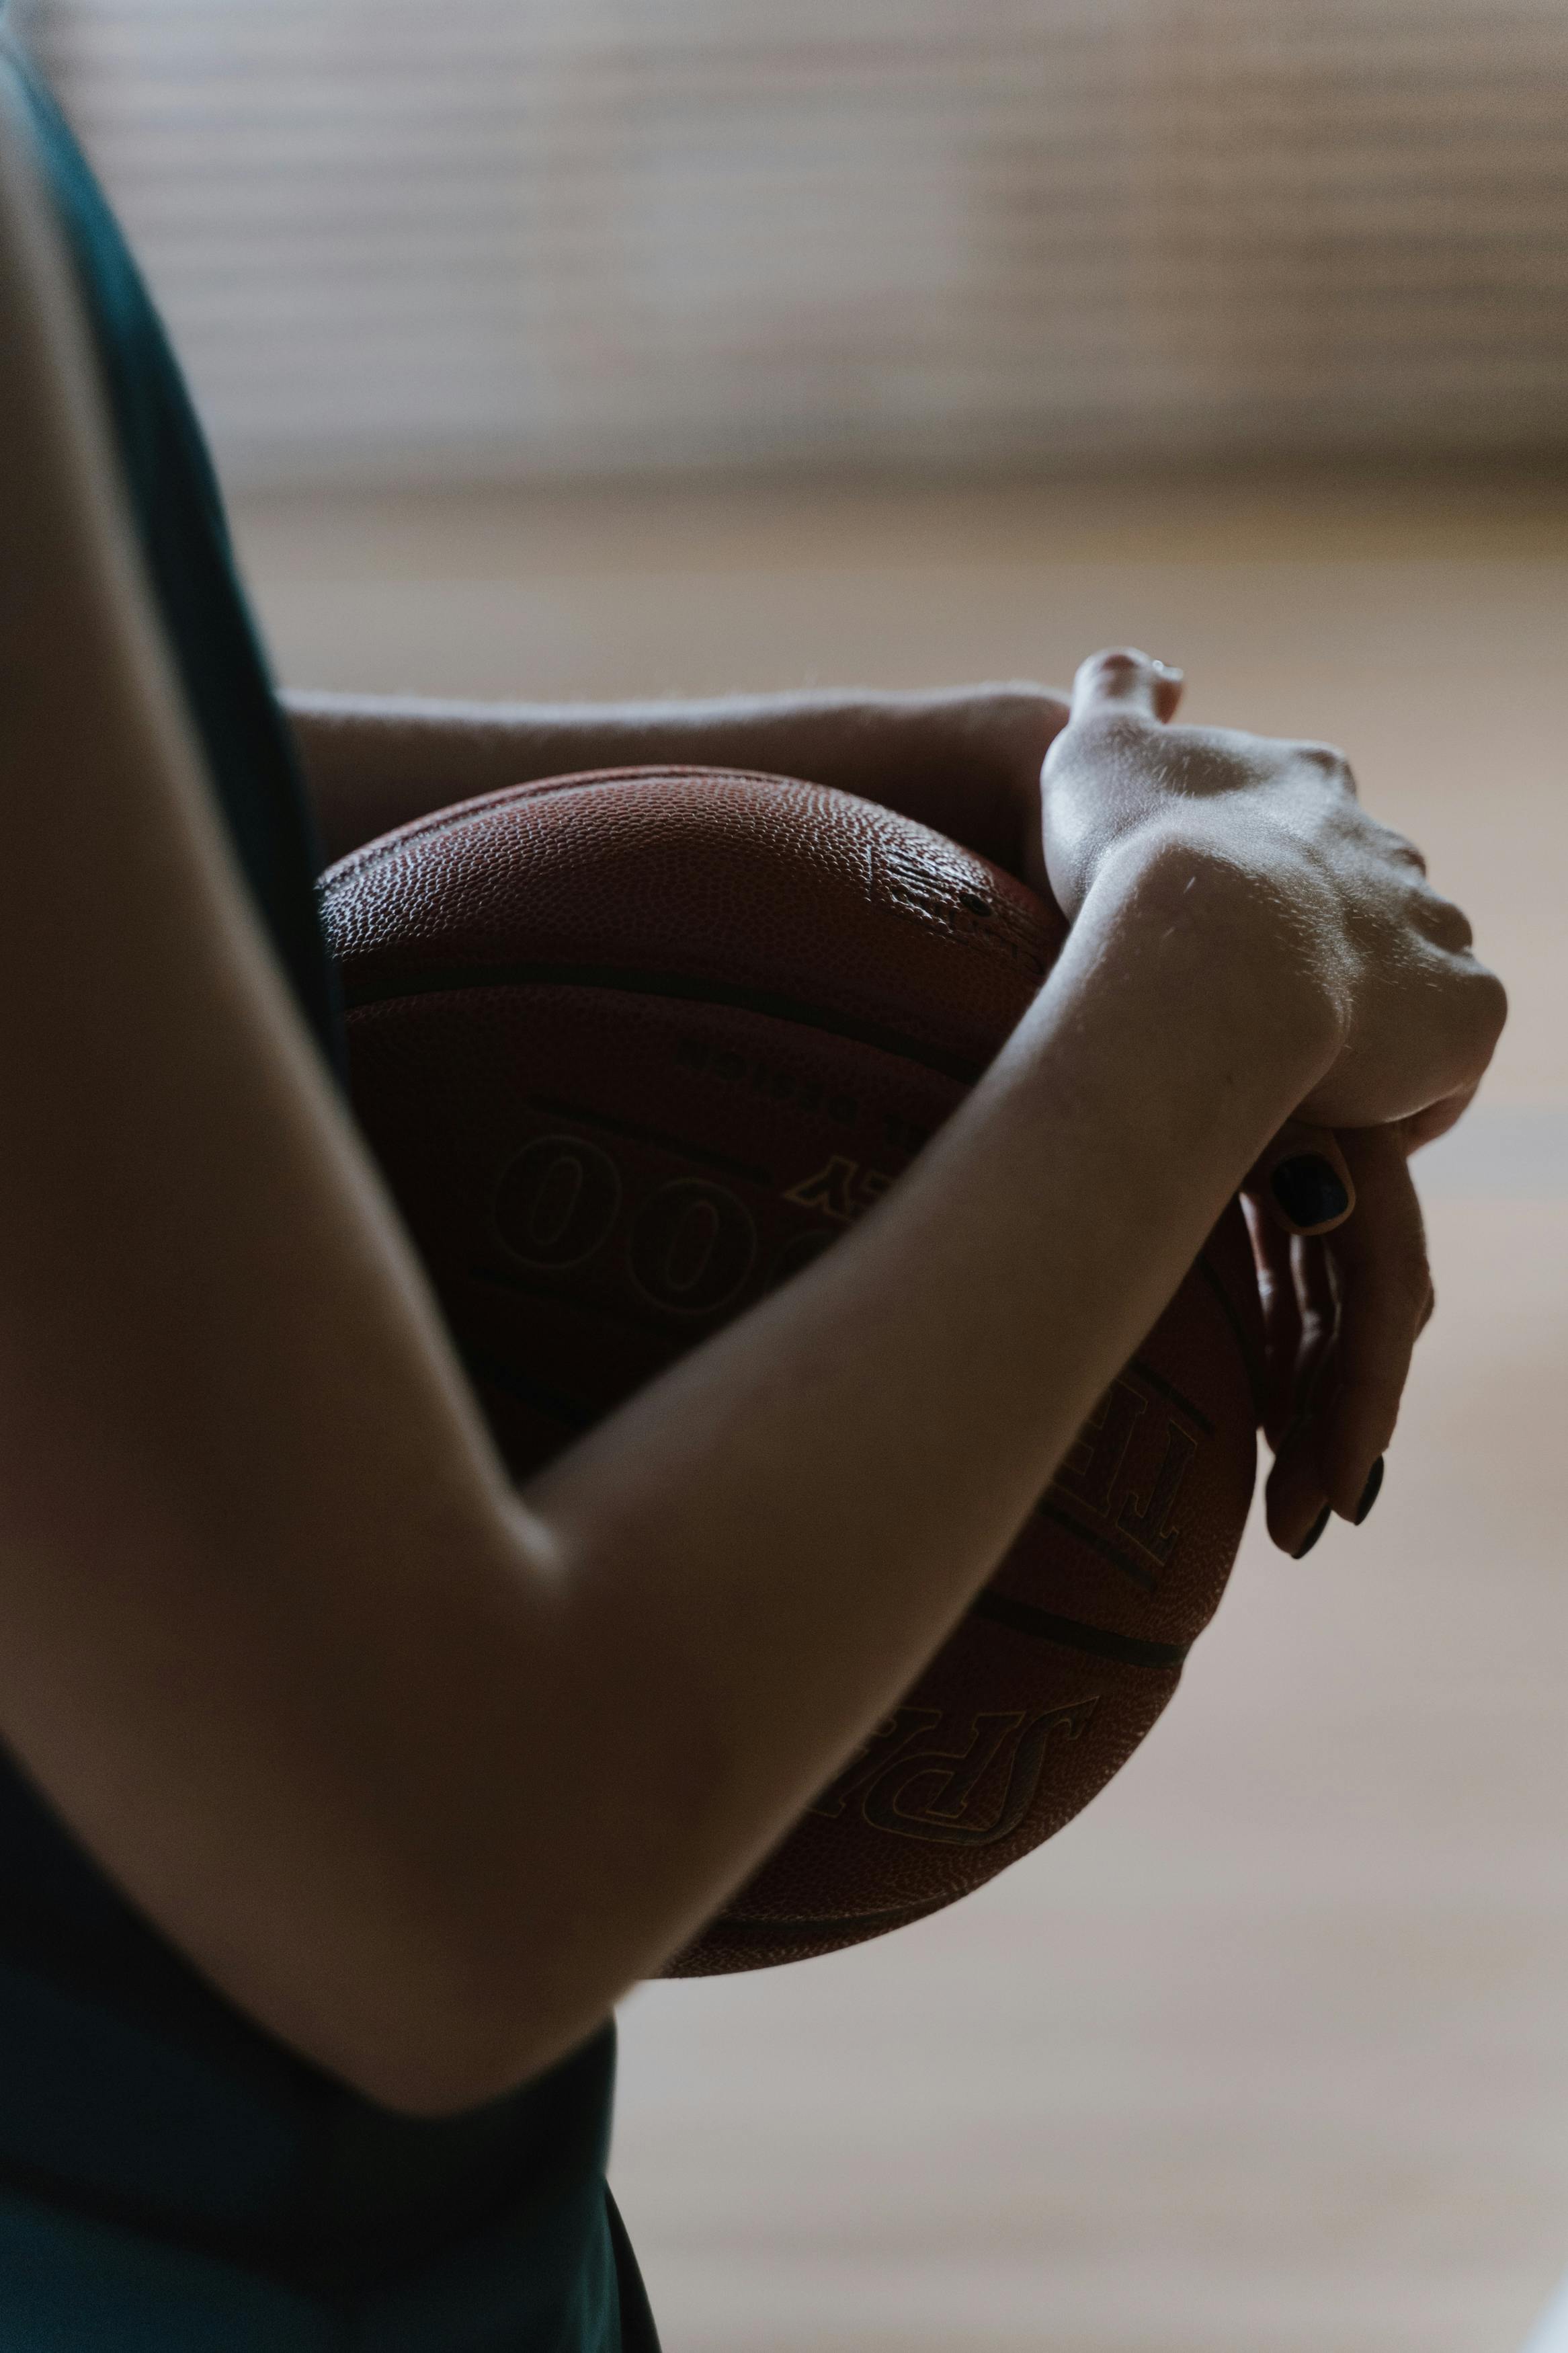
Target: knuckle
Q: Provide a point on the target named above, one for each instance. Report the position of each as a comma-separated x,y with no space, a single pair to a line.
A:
1477,1014
1445,918
1407,1280
1273,1286
1491,1006
1111,728
1400,846
1329,760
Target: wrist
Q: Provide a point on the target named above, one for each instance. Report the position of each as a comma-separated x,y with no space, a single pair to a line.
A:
1257,942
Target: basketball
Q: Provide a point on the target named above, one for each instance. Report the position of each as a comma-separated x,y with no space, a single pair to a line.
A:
633,1048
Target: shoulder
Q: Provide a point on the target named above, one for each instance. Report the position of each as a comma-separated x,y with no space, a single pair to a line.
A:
70,581
53,465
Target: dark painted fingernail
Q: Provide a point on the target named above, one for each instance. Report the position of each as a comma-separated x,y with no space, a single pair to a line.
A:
1370,1492
1314,1533
1309,1189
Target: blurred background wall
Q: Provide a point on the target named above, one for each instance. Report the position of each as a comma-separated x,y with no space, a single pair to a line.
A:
538,237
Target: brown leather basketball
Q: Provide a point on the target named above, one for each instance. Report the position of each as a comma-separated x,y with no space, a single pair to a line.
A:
631,1048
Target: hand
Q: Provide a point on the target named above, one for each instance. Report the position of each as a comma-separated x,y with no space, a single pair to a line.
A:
1336,1224
1343,1306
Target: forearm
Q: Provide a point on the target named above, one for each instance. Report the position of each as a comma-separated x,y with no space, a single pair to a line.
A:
945,757
433,1776
765,1546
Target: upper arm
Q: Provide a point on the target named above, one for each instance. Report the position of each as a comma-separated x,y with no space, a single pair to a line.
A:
250,1526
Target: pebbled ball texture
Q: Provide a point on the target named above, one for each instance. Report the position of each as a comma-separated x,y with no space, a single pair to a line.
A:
633,1048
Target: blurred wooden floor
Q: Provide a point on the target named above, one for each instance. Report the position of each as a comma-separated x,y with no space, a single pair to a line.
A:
1268,2051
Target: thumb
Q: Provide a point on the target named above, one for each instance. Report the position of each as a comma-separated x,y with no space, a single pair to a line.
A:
1122,679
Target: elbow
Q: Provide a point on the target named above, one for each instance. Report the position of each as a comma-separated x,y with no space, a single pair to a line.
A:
425,2031
429,2091
491,2027
441,2068
422,2076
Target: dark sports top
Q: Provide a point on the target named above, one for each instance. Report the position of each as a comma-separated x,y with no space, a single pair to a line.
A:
171,2176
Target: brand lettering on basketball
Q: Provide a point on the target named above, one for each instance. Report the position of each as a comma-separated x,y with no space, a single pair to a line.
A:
1093,1464
841,1190
692,1246
557,1201
1127,1467
735,1069
971,1788
1147,1519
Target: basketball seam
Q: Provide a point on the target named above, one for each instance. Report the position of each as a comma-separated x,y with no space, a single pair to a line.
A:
751,1928
634,982
1172,1394
1132,1570
1024,1618
1239,1332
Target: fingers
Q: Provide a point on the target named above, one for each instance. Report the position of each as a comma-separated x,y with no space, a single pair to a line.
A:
1297,1509
1303,1180
1386,1297
1364,1297
1281,1318
1122,679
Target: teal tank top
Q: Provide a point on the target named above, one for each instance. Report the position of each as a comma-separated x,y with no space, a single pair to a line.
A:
173,2179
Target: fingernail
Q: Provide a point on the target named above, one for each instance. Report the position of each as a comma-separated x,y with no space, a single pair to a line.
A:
1370,1492
1309,1190
1314,1533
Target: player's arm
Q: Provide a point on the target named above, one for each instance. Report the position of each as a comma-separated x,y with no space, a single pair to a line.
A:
421,1773
965,760
1343,1306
